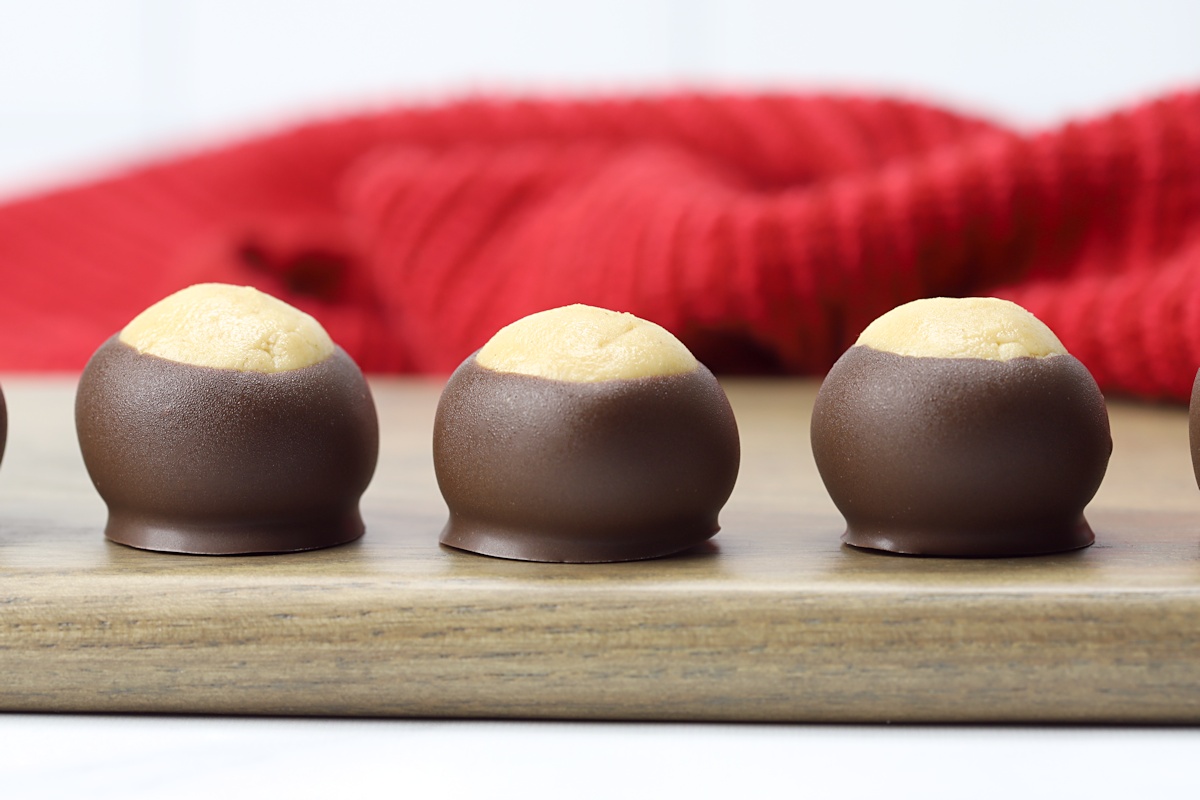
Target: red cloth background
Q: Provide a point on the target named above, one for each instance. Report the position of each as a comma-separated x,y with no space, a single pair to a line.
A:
765,231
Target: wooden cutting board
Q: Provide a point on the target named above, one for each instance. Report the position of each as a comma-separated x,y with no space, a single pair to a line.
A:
773,620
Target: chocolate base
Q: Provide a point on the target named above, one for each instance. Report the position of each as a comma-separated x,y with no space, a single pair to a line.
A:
544,470
961,456
211,461
3,426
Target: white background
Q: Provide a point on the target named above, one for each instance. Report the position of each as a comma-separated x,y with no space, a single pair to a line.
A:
86,83
145,758
89,84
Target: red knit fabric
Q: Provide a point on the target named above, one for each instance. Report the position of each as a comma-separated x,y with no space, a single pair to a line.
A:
766,231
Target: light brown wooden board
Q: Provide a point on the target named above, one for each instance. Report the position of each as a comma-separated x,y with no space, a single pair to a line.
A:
774,620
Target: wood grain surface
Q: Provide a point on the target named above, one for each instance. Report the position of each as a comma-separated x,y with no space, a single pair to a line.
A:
773,620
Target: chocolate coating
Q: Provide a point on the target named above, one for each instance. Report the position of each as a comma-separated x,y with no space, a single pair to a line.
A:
200,460
3,426
961,456
548,470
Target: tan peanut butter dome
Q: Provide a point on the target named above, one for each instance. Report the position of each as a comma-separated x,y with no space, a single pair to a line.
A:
229,327
585,344
970,327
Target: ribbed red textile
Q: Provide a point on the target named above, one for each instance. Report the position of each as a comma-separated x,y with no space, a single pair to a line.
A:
766,231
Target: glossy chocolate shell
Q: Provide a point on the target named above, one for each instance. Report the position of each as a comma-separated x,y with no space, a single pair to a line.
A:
547,470
199,460
3,426
961,456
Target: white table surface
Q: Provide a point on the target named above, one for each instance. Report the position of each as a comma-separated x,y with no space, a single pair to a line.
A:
131,757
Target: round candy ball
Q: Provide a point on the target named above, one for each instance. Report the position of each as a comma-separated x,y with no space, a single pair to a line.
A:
222,420
580,434
3,425
961,427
